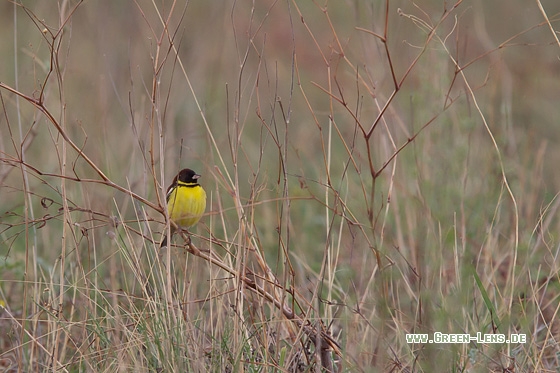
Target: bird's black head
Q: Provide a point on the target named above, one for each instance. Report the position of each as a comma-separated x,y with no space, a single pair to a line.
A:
186,175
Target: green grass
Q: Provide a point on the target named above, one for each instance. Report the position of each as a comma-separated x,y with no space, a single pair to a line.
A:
364,182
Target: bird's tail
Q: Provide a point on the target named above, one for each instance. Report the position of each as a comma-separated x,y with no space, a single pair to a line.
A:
164,242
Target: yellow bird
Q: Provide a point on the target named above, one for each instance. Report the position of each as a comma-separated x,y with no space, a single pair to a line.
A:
186,201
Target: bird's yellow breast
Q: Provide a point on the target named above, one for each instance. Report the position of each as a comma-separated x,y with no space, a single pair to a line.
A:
186,204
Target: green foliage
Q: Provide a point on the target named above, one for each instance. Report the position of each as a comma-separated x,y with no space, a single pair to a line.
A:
372,170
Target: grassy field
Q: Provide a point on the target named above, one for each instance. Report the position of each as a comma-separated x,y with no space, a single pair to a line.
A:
374,170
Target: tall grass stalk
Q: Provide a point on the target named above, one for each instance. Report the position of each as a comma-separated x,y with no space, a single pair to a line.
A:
373,171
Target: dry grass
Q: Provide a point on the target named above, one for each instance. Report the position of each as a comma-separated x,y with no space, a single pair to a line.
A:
373,170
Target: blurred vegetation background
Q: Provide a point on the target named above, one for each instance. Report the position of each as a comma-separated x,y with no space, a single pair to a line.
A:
395,163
